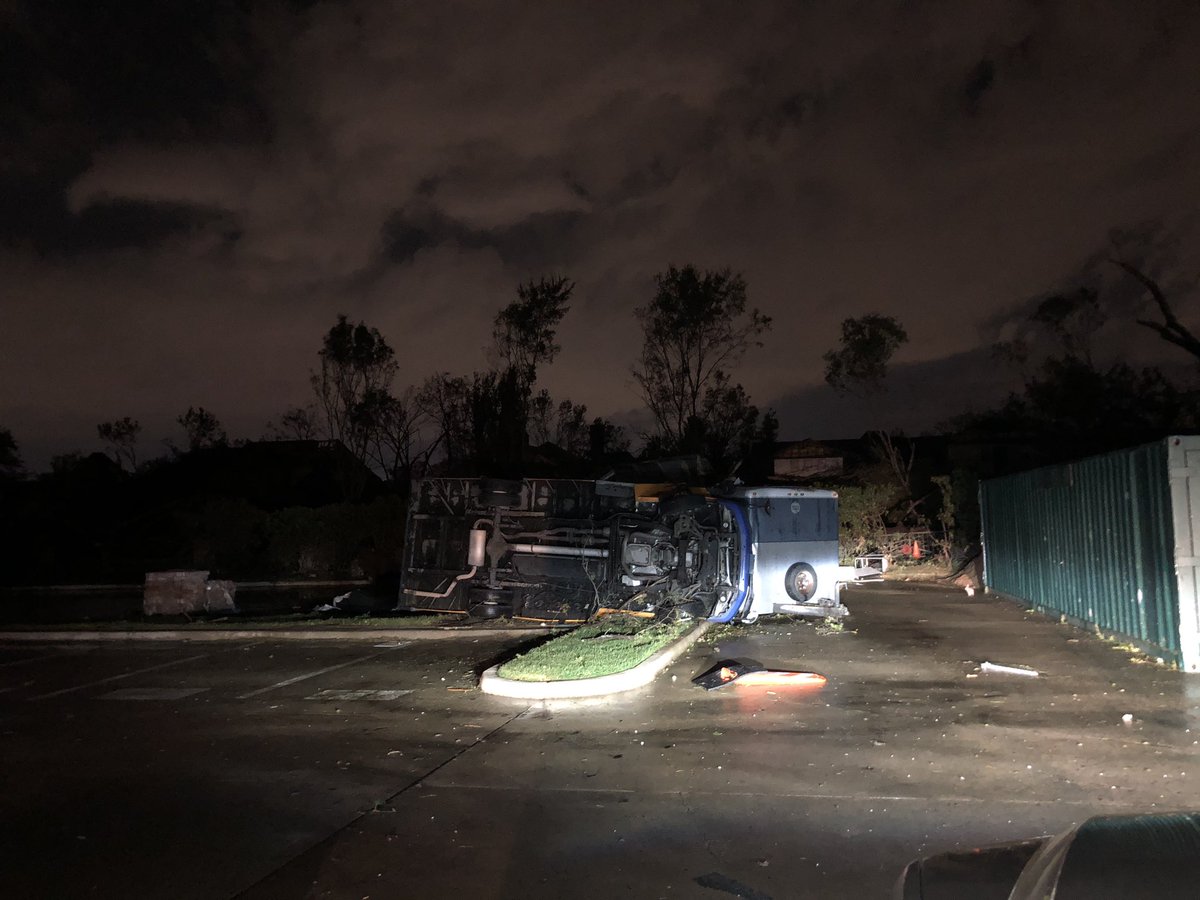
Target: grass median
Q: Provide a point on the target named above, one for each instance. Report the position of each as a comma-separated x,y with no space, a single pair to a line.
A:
612,644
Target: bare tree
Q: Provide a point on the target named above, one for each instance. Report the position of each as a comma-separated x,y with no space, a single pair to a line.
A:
296,424
564,424
541,418
898,454
1170,329
202,428
898,458
571,428
121,435
444,399
393,426
1072,318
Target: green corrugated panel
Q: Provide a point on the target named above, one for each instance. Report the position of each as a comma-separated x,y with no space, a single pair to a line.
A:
1090,539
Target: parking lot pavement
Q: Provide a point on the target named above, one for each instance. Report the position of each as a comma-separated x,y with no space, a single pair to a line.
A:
289,771
185,771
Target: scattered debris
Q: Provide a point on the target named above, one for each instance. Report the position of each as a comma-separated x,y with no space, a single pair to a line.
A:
749,671
724,672
830,626
609,636
996,669
354,602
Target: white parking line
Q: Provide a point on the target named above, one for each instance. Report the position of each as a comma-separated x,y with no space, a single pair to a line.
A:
287,681
111,678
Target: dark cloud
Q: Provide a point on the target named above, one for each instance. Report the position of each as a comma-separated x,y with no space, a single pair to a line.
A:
129,223
535,240
265,167
56,232
76,76
979,82
917,397
135,69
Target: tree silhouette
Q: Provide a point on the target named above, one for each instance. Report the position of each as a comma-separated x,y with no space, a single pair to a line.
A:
524,332
1170,329
695,330
860,364
727,425
445,401
481,422
296,424
202,428
1078,409
121,435
605,439
357,367
10,458
392,427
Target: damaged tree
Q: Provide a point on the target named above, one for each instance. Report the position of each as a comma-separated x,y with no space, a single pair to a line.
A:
1170,329
121,435
696,329
357,366
202,428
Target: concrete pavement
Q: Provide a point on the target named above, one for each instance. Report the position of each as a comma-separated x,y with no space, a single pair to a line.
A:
316,770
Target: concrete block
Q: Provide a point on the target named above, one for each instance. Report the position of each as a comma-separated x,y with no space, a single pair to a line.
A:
180,593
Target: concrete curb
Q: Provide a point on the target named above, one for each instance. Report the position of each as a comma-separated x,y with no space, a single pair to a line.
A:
273,634
639,676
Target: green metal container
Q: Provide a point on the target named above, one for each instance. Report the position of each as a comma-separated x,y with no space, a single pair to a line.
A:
1109,541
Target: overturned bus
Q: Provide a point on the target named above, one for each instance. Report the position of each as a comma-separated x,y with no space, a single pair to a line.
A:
561,550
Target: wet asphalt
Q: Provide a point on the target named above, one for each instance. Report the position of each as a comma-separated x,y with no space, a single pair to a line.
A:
275,769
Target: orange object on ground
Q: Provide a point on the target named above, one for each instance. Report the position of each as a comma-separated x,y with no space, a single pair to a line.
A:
749,671
766,676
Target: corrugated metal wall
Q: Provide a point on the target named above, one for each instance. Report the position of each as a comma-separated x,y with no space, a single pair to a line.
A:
1094,540
1183,469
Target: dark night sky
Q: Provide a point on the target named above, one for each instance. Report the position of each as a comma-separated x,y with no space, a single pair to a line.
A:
190,192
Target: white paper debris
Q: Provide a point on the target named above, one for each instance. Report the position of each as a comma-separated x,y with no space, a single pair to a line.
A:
996,669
